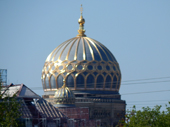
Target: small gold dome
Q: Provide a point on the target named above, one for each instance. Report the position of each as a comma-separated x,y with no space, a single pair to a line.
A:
64,95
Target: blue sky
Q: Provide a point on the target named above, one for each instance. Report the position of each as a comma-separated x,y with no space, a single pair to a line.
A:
136,32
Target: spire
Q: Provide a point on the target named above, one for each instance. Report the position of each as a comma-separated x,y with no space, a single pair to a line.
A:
81,22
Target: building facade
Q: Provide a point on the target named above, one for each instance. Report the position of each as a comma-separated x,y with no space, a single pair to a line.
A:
88,69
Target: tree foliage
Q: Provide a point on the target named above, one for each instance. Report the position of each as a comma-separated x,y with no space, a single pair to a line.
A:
147,117
9,110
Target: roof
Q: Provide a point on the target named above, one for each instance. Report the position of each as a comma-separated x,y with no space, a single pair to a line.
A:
20,90
32,105
39,108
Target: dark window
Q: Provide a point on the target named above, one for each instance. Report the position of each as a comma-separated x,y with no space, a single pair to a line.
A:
70,81
108,82
53,83
90,81
100,82
60,81
80,81
47,82
114,82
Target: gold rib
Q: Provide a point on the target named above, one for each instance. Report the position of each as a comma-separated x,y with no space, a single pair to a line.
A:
70,48
92,54
68,42
75,56
101,48
119,83
95,47
84,51
59,47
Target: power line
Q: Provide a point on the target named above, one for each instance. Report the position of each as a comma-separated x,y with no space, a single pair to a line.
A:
149,101
145,92
146,82
146,79
101,84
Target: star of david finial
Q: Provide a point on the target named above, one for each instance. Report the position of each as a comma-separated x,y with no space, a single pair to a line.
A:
81,9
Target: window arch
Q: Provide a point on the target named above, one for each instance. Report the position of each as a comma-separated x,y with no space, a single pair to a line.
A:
100,81
53,83
43,83
108,82
60,81
114,82
70,81
47,83
90,81
80,81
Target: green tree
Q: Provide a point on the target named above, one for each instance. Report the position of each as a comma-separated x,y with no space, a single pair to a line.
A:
9,109
147,117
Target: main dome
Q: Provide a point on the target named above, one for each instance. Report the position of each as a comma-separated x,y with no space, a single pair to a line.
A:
84,63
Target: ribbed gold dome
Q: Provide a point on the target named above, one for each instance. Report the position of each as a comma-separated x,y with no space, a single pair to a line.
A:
64,95
84,63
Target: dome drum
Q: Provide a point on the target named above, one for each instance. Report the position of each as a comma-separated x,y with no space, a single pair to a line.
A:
88,75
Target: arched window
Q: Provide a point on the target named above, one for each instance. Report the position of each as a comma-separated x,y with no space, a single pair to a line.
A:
80,81
114,82
70,81
47,83
108,82
53,83
100,82
90,81
43,83
60,81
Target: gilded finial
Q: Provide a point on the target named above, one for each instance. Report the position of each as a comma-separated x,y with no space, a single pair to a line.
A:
81,21
64,84
81,9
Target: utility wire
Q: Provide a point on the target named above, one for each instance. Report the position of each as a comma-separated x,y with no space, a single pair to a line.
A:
145,92
146,79
106,83
147,101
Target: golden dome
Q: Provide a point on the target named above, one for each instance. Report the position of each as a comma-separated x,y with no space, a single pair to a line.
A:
84,63
64,95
